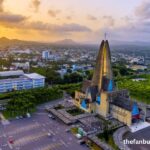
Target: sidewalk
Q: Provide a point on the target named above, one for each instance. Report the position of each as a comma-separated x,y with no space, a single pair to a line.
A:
139,126
3,120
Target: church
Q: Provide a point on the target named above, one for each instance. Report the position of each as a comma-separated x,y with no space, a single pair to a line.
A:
100,95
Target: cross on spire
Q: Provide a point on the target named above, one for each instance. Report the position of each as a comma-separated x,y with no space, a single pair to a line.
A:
105,35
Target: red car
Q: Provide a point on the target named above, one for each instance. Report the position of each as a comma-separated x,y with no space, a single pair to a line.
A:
11,141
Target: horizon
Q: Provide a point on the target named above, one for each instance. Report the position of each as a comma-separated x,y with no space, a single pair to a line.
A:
73,42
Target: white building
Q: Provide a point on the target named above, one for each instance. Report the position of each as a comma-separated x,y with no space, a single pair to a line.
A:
45,55
17,80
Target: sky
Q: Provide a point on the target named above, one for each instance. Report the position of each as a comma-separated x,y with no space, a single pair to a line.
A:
80,20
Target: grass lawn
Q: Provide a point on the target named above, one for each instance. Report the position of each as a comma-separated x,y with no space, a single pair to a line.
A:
59,107
139,90
95,147
75,111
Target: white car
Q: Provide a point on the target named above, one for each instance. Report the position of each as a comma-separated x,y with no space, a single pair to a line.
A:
78,136
50,116
49,134
28,115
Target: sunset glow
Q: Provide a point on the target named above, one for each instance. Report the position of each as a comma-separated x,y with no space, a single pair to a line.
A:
80,20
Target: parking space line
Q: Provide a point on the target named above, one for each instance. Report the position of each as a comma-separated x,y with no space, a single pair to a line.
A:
10,146
28,139
63,143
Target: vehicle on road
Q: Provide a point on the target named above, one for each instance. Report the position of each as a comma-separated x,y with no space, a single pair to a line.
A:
28,115
11,140
17,117
67,130
78,136
81,142
20,117
49,134
51,116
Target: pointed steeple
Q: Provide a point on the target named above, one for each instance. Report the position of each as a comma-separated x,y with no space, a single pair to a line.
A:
102,77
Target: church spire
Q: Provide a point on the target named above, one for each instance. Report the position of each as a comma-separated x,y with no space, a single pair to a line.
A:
102,77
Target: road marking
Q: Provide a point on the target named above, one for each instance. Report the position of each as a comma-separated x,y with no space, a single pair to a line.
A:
10,146
4,145
43,129
52,132
40,113
28,139
50,146
63,143
23,129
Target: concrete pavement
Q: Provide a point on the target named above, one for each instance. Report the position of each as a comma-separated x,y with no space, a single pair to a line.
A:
32,133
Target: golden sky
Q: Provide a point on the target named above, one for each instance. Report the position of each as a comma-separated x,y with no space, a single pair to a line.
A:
80,20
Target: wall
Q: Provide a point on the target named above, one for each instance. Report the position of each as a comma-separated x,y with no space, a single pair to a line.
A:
121,114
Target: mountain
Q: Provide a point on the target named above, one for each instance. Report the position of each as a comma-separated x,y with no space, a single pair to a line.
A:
66,42
5,43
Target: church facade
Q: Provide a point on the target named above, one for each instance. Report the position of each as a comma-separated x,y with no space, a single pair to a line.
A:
100,95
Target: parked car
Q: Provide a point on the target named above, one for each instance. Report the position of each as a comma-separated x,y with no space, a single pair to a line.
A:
11,140
17,117
78,136
67,130
49,134
28,115
81,142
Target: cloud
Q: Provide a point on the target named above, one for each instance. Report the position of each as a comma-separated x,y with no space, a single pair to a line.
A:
135,31
36,4
58,28
11,18
69,17
143,10
90,17
108,20
53,13
1,5
21,22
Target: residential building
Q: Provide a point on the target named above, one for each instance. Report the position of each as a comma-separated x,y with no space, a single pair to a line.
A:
18,80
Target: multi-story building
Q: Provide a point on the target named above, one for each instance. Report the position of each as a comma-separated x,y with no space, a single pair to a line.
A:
45,55
17,80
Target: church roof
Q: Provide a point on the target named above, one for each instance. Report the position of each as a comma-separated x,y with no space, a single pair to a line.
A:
123,102
93,91
85,85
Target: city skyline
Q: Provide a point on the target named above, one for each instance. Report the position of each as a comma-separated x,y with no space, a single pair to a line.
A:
52,20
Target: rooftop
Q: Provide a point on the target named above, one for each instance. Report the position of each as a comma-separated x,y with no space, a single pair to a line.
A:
11,73
34,76
123,103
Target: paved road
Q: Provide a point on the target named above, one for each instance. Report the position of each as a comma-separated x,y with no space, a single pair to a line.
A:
31,134
139,135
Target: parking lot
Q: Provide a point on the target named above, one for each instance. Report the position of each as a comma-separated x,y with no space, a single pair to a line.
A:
32,134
